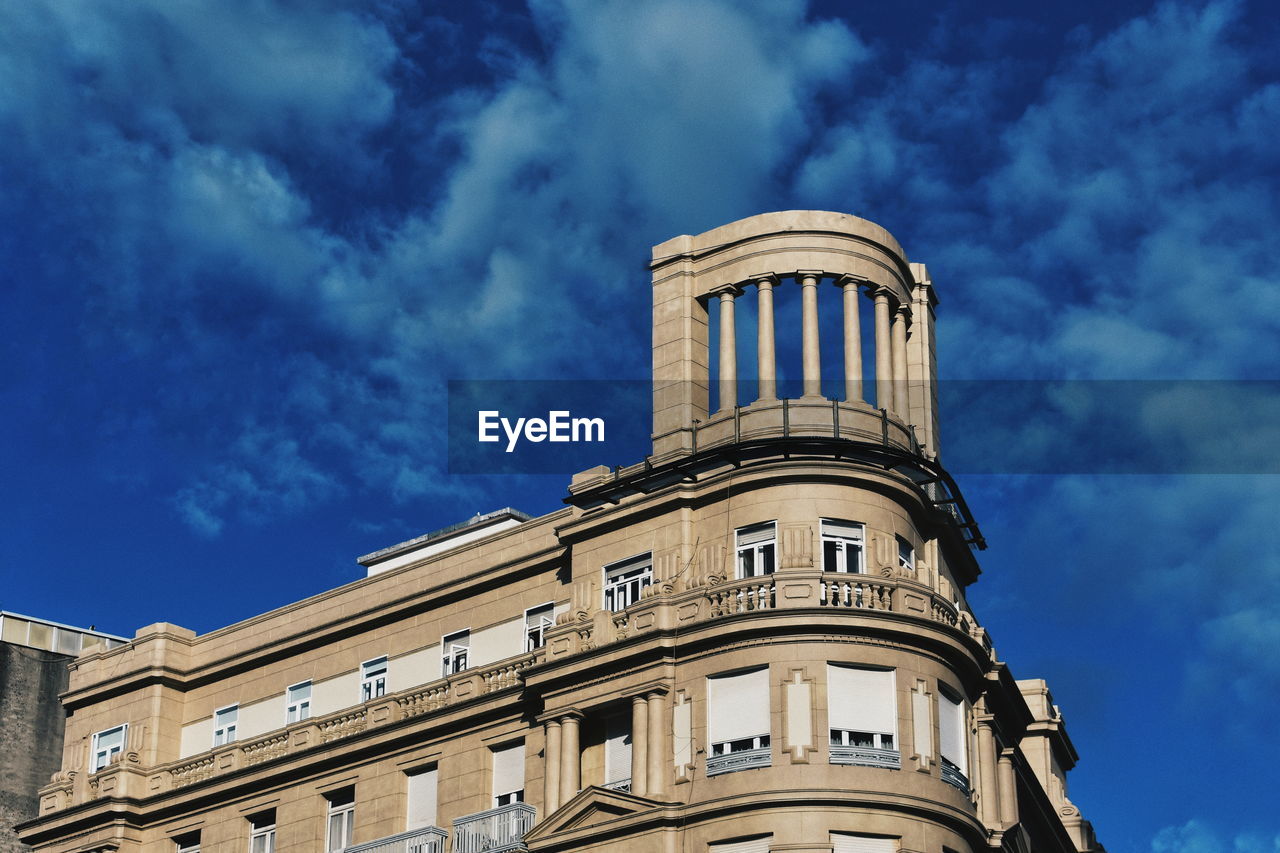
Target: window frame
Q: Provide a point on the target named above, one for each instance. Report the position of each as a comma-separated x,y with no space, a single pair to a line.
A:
228,732
373,683
634,571
535,636
842,544
341,804
455,658
110,752
757,551
187,842
295,711
907,561
506,798
263,830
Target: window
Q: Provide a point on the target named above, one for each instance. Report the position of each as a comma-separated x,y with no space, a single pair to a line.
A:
455,649
863,716
623,581
755,547
106,745
536,622
842,546
617,752
846,842
297,703
373,678
224,724
422,799
342,819
759,844
262,832
906,555
955,764
738,721
188,842
508,774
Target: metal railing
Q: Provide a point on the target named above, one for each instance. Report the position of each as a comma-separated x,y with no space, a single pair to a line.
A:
493,831
952,776
746,759
867,756
428,839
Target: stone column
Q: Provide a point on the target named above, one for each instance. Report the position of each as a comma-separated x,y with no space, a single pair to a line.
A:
659,754
1008,790
884,362
988,795
809,332
570,757
900,318
728,351
551,769
639,746
852,340
766,359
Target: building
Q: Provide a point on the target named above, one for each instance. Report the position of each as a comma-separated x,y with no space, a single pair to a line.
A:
756,639
34,654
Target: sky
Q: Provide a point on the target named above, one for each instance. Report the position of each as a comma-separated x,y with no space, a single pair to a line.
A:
244,244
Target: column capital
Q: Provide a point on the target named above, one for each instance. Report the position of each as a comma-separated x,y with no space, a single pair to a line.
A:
903,309
764,279
557,717
849,279
730,290
878,290
814,274
642,691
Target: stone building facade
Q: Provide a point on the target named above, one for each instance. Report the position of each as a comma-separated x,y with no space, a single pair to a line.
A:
755,639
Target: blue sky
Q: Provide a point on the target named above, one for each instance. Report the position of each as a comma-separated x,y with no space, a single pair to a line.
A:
244,243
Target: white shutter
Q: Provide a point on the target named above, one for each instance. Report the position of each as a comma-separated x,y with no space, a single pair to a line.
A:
847,843
751,845
756,534
738,706
422,799
861,700
617,749
951,731
843,529
508,769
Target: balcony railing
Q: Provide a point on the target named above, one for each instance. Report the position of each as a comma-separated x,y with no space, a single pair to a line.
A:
620,785
428,839
494,831
952,776
866,756
746,759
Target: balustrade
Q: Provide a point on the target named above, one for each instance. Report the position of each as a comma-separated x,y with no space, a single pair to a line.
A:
429,839
493,831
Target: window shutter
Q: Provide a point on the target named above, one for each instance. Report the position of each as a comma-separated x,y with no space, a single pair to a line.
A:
951,731
843,529
847,843
422,799
508,769
738,706
750,845
617,750
861,700
756,534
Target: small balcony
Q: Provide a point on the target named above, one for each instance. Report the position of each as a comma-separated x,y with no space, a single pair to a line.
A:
952,776
867,756
743,759
495,830
428,839
620,785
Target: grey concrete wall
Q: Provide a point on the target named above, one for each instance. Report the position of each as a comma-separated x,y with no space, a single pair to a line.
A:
31,726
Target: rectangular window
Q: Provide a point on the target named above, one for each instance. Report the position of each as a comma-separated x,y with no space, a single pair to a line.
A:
755,548
423,794
760,844
536,622
906,555
508,774
955,764
297,703
738,721
106,745
862,711
224,724
373,678
262,832
842,546
617,752
188,842
846,842
624,581
456,647
342,819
